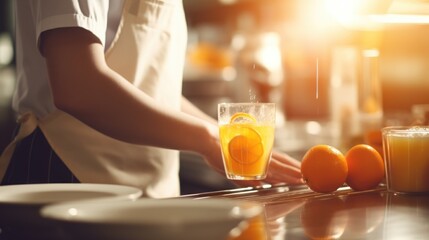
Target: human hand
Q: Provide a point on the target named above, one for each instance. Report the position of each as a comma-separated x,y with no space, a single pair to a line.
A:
283,169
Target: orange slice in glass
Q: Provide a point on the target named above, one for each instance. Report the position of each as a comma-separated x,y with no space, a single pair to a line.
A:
246,148
242,117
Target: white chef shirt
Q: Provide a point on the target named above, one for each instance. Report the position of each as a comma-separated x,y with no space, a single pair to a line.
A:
100,17
154,170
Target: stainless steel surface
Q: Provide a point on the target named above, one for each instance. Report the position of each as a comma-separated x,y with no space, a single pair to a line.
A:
295,212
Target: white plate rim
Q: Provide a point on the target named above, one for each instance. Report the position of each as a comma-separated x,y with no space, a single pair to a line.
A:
117,191
58,212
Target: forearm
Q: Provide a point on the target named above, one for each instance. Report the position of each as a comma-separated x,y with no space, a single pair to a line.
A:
189,108
118,109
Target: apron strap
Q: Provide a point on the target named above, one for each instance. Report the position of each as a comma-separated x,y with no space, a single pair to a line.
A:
28,123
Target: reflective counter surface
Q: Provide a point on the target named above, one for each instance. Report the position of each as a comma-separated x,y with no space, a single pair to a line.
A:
295,212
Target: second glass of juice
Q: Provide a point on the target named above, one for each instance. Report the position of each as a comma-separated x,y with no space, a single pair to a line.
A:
246,132
406,153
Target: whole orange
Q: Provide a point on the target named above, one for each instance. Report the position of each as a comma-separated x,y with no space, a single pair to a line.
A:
366,167
324,168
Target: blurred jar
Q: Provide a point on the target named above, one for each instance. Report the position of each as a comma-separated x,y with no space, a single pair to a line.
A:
259,63
209,68
420,113
259,69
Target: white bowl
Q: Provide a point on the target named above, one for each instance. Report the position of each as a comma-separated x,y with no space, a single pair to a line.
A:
151,219
20,204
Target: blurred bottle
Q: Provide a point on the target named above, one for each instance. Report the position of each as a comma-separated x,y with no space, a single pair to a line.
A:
343,93
355,97
370,100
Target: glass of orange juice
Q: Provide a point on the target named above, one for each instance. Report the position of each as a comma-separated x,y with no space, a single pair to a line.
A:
406,156
246,132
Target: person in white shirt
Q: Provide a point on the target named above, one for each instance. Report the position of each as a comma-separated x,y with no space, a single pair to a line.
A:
98,98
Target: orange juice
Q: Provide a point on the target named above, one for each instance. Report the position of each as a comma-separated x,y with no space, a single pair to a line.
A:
407,159
246,149
246,132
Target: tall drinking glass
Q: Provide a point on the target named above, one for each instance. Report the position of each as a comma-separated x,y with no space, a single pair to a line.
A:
246,133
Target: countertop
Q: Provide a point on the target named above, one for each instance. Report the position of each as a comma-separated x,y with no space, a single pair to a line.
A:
296,212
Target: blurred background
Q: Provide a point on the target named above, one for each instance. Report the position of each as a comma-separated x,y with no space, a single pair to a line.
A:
335,68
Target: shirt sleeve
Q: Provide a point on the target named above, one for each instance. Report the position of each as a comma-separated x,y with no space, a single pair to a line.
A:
88,14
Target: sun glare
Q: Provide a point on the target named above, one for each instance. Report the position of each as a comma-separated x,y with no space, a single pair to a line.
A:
369,13
344,11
